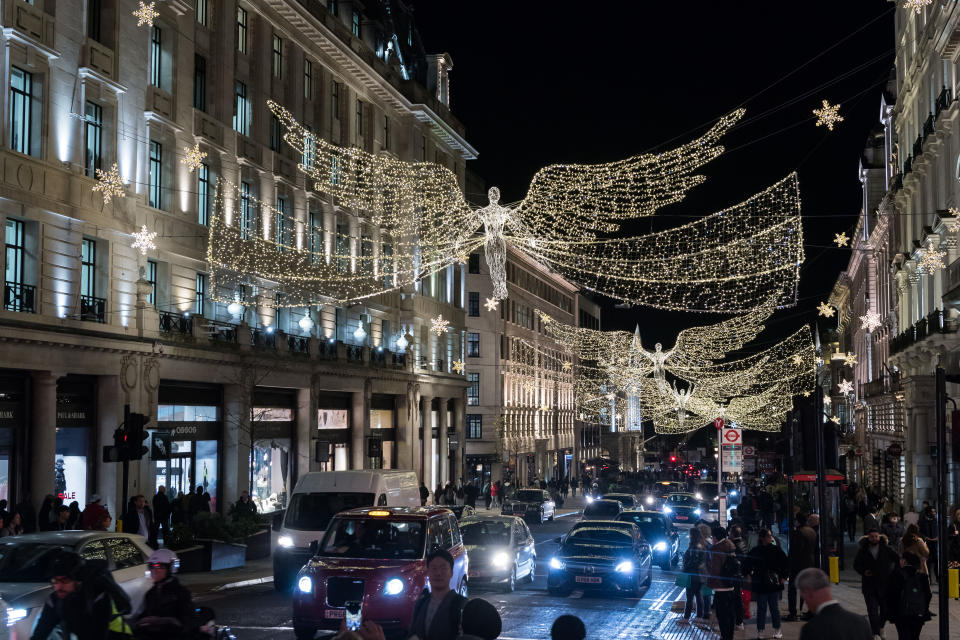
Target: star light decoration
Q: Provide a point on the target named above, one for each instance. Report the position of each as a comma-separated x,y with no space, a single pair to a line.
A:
797,358
871,321
491,304
834,419
841,239
458,366
932,259
828,116
566,365
193,158
109,184
439,326
845,387
825,310
953,224
145,14
827,400
916,5
850,359
143,240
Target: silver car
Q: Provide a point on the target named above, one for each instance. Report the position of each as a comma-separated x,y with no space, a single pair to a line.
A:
26,562
501,550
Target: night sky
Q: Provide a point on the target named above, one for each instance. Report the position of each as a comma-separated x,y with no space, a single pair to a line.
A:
537,83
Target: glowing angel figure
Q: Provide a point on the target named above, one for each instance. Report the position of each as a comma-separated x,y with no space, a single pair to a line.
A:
494,217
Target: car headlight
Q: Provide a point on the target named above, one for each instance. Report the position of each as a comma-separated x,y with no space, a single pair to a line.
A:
667,509
649,500
660,546
697,512
285,541
625,567
500,560
556,563
698,496
16,615
305,584
589,499
393,587
733,492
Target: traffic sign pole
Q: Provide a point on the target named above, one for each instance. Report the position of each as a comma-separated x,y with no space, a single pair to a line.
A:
721,498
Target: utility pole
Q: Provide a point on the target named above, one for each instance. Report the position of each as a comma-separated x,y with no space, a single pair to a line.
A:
943,599
788,467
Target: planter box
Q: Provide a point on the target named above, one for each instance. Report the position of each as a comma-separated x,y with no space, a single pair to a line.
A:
258,545
212,555
192,559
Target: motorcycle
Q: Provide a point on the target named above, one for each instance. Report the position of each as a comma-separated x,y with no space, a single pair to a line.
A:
164,628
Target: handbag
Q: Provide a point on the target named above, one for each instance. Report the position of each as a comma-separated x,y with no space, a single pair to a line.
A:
682,580
706,591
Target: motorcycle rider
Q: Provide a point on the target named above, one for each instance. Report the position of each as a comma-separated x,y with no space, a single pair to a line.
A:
83,612
168,610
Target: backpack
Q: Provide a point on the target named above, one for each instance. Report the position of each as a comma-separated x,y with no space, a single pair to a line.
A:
97,579
913,602
730,569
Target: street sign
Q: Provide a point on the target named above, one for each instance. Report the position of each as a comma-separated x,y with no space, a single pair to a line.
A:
718,423
731,435
749,452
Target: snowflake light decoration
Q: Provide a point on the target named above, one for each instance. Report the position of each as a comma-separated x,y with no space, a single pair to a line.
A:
143,240
145,14
193,158
567,366
827,400
932,259
825,310
806,394
828,116
871,321
109,184
845,387
835,420
850,359
439,326
458,366
491,304
916,5
544,408
953,224
841,239
797,359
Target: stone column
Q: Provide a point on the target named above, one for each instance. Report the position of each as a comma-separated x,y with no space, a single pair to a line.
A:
459,425
443,445
109,417
306,433
360,425
236,442
43,437
426,449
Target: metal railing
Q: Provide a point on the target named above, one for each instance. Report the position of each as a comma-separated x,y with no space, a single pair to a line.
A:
263,339
19,297
932,324
298,344
175,323
222,331
354,352
928,126
327,350
944,99
93,309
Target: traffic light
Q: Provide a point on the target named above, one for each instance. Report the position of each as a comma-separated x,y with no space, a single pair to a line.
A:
673,458
136,434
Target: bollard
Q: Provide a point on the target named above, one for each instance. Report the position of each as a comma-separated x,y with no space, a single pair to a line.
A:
953,583
834,569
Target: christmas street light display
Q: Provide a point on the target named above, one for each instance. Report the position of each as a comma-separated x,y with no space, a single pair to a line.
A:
828,116
109,184
841,239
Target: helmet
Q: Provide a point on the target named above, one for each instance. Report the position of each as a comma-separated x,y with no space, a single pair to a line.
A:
68,564
167,557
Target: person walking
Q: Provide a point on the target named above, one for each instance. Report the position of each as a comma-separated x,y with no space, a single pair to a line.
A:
912,542
424,494
803,555
908,598
872,519
139,519
161,513
740,549
495,495
931,535
875,562
767,569
723,578
830,620
850,515
953,538
694,568
894,530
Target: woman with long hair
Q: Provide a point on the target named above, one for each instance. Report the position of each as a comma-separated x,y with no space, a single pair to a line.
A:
912,542
694,566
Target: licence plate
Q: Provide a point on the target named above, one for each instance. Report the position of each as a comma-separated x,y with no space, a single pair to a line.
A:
335,613
682,518
588,579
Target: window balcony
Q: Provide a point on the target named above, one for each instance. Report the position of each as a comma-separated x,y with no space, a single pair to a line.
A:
298,344
19,297
263,339
928,126
944,99
918,147
933,324
93,309
175,323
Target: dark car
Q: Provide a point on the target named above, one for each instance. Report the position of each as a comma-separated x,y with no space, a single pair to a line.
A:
602,510
603,556
502,551
682,508
628,500
659,533
530,504
461,511
706,493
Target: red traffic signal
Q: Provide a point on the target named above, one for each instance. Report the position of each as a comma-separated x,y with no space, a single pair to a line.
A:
673,458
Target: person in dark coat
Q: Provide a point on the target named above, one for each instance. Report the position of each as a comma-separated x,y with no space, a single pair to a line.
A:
424,494
767,568
894,530
73,610
875,562
436,614
28,514
139,519
929,531
166,602
161,512
803,555
830,620
46,508
908,598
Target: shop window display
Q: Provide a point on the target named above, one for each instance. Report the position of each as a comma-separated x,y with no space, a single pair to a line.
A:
271,469
70,464
206,469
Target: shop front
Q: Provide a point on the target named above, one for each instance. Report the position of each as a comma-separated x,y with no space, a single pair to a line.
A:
75,441
13,415
190,416
383,433
480,466
333,431
273,426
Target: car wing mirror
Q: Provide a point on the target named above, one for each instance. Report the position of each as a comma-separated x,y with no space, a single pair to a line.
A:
314,547
558,540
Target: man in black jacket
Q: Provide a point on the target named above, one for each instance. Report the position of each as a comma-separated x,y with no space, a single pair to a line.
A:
831,620
436,614
76,608
804,552
875,562
908,598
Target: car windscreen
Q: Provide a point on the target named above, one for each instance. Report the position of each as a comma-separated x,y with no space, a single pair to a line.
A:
610,509
626,501
529,496
486,534
374,538
27,561
682,501
643,519
312,511
592,536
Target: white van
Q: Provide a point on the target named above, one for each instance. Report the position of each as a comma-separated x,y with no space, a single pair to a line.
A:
319,496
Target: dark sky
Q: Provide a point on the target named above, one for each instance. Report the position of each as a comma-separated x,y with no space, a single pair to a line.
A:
537,83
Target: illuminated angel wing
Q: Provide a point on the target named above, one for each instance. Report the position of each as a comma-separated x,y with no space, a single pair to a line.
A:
696,347
589,198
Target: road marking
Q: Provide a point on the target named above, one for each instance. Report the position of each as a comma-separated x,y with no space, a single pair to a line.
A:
244,583
236,627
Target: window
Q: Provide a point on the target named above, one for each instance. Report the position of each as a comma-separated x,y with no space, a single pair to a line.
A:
281,224
241,119
22,105
474,265
335,100
277,56
156,174
274,133
355,23
202,15
343,247
386,255
125,553
474,426
359,122
309,148
332,7
246,211
241,30
201,293
156,52
88,268
93,19
473,304
307,80
199,83
386,132
316,236
93,134
473,345
203,194
473,391
18,296
152,279
334,170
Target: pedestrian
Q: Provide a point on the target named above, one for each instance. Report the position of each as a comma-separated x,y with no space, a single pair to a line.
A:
437,611
244,507
63,517
768,568
740,549
4,514
15,526
767,508
104,523
495,494
424,494
573,486
139,519
911,542
74,521
43,516
74,609
850,515
486,494
803,555
480,621
200,503
724,575
161,513
568,627
894,530
908,598
93,513
28,514
872,519
875,562
439,496
930,533
470,493
694,568
830,620
953,538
